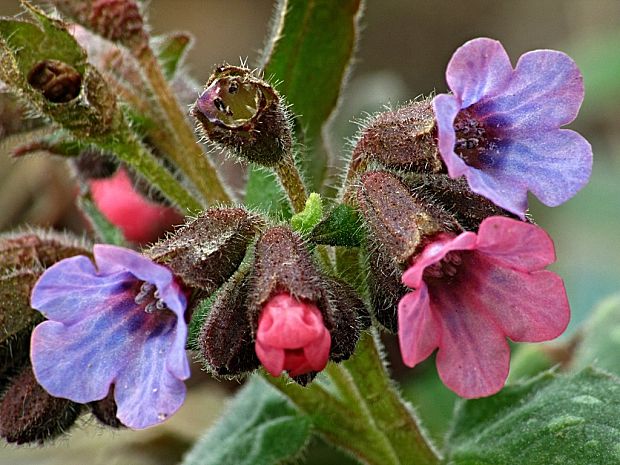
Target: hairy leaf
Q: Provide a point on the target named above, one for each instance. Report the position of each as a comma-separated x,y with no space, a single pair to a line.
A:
258,428
552,419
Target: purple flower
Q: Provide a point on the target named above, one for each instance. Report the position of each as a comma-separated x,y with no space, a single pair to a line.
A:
119,324
501,127
474,290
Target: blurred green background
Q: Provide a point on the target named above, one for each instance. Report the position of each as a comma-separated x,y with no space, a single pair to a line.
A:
405,47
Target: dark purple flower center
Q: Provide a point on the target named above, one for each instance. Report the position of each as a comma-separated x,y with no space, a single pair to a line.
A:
473,138
447,267
148,297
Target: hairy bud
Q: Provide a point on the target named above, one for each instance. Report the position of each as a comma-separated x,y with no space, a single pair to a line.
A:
29,414
226,342
455,197
57,81
244,115
116,20
207,251
397,219
402,138
23,257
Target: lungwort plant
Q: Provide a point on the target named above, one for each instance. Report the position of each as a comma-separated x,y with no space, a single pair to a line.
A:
290,288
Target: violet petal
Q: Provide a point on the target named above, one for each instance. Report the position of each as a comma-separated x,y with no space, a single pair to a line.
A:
479,68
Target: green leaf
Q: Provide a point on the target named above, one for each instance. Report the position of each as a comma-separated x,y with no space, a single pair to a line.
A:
258,428
342,227
308,60
552,419
105,231
600,343
171,50
46,40
307,219
263,191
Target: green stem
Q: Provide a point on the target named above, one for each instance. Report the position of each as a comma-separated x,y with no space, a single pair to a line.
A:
130,150
390,413
365,415
188,156
293,184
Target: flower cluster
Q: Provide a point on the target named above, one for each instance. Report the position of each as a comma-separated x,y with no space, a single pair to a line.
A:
463,272
453,265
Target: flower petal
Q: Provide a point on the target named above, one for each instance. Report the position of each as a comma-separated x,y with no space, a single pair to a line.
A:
479,68
544,93
528,306
516,244
445,108
473,358
317,352
434,252
69,290
554,166
113,259
287,323
146,392
80,361
271,358
419,331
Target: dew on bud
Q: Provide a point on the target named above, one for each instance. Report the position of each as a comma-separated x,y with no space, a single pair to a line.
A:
244,115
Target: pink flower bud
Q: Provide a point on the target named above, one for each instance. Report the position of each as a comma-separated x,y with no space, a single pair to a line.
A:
292,336
140,219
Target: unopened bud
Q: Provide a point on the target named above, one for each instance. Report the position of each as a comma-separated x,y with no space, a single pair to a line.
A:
287,285
397,219
57,81
454,195
226,342
29,414
402,138
207,251
116,20
244,115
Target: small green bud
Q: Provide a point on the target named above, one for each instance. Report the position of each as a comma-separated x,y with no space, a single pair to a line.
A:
307,219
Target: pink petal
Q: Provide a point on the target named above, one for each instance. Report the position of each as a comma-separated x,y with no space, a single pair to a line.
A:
140,219
434,252
317,352
271,358
528,306
473,358
419,331
287,323
516,244
478,69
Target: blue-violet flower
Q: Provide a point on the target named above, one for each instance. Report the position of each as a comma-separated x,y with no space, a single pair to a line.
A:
118,325
501,126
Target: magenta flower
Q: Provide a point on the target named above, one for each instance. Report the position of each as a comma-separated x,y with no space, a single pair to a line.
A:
474,290
292,336
120,324
501,127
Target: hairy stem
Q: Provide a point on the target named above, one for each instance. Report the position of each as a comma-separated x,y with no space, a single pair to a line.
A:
363,412
292,183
